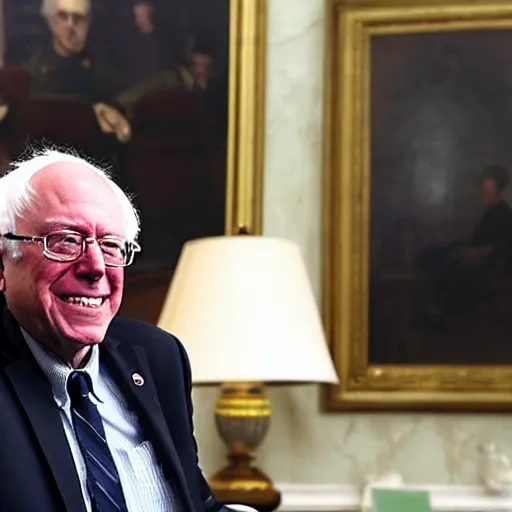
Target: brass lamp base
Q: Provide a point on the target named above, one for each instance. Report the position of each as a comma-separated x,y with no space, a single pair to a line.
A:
241,483
242,416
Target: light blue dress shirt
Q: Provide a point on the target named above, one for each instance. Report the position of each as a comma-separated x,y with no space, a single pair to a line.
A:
144,485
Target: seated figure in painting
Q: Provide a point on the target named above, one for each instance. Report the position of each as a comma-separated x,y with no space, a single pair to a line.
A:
67,67
461,271
209,91
141,49
136,52
492,238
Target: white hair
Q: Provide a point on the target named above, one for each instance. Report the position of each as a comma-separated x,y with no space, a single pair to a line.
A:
17,194
48,7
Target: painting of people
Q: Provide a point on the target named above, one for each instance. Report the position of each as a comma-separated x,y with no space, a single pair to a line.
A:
140,86
441,198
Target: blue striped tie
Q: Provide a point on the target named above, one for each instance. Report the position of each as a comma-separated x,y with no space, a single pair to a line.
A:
103,482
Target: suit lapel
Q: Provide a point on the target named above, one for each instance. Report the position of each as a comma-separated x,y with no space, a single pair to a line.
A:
130,362
35,395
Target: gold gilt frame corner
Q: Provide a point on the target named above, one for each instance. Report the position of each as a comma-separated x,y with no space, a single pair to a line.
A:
349,26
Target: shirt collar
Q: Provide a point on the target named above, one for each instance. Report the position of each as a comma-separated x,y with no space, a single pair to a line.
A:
57,372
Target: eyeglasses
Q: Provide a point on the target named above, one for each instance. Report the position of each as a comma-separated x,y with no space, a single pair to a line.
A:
66,246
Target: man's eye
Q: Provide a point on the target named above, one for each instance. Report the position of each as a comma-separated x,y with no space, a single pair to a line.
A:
71,240
112,246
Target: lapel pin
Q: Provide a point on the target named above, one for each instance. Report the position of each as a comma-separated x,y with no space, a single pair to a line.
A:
138,379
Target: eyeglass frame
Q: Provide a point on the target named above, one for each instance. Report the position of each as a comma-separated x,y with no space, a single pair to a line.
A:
43,240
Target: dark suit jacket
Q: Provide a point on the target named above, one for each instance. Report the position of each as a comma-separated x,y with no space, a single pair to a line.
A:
37,472
84,76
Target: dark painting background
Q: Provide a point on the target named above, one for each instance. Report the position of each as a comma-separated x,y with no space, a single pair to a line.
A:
441,110
174,163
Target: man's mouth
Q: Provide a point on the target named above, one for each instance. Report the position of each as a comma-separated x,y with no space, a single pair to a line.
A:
84,302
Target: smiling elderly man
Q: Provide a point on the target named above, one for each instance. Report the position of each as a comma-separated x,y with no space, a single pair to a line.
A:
95,412
68,67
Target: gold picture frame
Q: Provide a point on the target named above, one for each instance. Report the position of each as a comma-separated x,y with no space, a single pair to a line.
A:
350,26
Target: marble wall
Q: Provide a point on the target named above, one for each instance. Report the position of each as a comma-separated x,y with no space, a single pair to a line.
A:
305,445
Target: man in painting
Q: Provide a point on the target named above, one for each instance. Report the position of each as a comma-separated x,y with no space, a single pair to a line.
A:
68,67
491,243
136,48
209,86
142,50
462,270
202,61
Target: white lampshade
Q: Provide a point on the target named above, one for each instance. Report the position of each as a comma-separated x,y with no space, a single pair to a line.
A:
244,309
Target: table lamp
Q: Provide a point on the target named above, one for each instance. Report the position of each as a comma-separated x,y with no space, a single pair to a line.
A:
244,308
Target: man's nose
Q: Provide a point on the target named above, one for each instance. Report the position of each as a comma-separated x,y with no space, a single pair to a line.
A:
70,21
91,265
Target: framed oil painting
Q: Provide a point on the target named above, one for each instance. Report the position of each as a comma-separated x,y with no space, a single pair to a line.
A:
168,94
418,204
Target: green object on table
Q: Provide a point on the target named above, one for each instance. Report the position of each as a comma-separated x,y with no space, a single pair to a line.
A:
396,500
